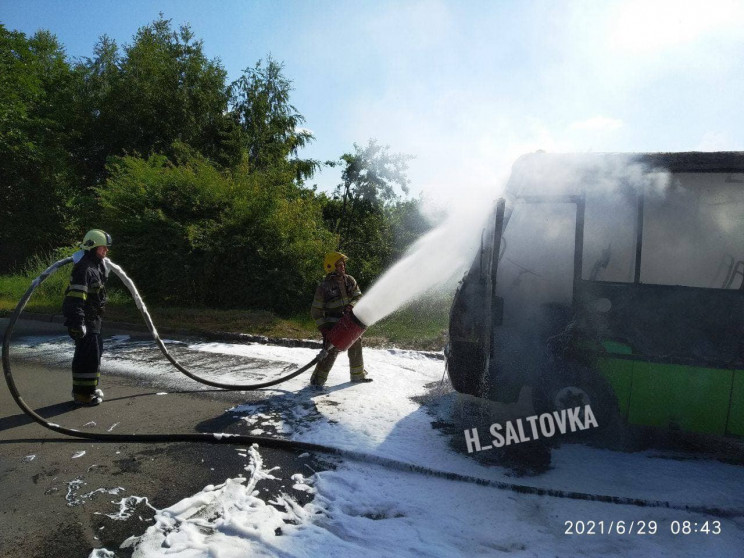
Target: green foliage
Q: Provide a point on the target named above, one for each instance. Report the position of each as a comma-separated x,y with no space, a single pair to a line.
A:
161,91
195,235
201,183
371,174
271,125
373,223
49,295
378,236
369,179
422,324
405,224
35,167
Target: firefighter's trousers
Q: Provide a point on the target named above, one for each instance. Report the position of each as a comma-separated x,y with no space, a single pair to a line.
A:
86,364
356,364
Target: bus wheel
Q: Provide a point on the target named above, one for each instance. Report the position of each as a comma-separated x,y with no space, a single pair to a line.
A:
467,365
572,396
591,393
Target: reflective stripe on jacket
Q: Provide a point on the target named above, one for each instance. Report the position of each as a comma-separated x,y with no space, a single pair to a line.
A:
85,296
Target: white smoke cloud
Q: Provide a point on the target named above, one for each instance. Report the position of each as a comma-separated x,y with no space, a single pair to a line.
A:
468,89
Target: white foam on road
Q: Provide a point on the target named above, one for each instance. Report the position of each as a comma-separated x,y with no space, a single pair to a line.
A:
365,509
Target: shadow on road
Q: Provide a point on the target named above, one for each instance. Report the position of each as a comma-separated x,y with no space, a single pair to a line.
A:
22,419
6,423
294,408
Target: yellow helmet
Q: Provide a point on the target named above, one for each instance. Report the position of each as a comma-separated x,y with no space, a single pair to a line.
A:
329,262
94,238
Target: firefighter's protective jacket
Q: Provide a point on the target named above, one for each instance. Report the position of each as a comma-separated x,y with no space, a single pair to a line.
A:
333,294
85,297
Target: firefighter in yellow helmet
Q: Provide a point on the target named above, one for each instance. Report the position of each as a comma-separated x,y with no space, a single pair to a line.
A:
336,294
85,299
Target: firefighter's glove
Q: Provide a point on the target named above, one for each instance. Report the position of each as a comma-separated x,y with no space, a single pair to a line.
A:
77,332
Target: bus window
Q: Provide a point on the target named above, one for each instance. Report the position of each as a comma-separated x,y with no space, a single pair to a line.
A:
609,236
537,264
693,234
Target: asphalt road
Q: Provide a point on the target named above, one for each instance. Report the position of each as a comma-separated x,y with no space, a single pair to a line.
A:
54,499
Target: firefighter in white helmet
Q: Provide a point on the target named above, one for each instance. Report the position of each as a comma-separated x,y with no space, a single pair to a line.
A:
83,306
336,294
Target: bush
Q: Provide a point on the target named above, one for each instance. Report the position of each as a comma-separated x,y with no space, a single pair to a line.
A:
194,235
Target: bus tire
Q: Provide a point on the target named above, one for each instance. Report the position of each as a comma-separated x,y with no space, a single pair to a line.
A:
580,387
466,367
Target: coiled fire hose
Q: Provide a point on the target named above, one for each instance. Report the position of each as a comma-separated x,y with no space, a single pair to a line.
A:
151,326
292,445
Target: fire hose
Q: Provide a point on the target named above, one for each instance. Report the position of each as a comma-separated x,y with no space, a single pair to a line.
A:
343,336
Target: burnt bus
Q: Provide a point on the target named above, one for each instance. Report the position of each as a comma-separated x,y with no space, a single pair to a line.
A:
614,280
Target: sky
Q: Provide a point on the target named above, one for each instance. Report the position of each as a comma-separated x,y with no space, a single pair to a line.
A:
465,87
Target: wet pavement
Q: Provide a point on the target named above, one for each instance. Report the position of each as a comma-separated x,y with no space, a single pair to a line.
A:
63,496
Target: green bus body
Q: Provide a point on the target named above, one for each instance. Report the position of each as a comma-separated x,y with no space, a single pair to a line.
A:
696,399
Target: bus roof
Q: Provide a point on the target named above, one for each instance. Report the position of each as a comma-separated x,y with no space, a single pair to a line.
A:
562,173
685,161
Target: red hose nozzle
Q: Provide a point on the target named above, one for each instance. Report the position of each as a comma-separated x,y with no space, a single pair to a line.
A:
346,331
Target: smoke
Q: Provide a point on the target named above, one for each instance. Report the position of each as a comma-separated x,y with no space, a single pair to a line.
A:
691,227
691,234
537,266
494,83
433,260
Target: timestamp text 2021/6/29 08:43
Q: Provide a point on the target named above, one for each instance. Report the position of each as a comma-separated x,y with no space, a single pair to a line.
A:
640,527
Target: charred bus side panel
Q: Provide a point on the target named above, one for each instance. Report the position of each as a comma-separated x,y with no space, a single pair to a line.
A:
616,280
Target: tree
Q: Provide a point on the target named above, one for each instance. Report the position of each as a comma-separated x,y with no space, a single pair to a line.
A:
369,179
92,135
272,127
35,169
369,217
161,92
405,224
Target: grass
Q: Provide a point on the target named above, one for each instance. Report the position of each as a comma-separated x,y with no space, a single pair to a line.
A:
48,297
421,325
